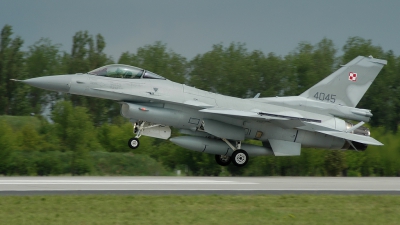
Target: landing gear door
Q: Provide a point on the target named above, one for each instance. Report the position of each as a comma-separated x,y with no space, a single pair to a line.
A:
163,132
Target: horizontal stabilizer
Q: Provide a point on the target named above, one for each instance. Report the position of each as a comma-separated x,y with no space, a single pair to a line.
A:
353,137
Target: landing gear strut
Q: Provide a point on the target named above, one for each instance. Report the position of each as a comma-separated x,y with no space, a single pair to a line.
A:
138,128
239,156
134,143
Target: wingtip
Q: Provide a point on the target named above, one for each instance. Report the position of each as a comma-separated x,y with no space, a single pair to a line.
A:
16,80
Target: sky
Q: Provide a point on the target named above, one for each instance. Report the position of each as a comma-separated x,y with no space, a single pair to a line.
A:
191,27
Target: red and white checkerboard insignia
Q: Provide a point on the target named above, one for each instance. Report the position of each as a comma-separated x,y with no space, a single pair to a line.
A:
353,76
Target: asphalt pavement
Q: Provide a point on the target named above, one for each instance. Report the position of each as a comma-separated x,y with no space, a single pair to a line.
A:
198,185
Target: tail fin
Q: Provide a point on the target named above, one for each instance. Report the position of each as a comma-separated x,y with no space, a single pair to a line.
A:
347,85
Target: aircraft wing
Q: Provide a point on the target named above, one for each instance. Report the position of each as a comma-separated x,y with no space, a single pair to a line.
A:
286,120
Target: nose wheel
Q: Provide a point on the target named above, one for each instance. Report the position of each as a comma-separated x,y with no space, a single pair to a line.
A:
133,143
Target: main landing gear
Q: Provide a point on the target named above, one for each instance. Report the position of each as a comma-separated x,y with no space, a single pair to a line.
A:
239,156
223,160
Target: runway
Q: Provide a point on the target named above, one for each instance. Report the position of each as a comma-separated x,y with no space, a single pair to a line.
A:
198,185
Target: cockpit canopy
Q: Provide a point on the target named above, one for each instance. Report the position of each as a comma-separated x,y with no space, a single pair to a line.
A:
124,71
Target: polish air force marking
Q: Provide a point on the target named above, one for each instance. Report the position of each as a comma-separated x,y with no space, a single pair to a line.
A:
353,76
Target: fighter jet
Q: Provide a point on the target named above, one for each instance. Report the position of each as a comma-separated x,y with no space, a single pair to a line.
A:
217,124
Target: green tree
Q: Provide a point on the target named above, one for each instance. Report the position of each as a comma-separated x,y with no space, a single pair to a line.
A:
77,134
269,72
307,65
30,139
114,138
7,145
74,127
42,59
225,70
87,54
335,162
13,99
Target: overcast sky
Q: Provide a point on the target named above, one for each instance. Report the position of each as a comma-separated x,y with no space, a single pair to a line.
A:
192,27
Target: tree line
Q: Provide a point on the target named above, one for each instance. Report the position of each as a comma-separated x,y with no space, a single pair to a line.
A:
81,126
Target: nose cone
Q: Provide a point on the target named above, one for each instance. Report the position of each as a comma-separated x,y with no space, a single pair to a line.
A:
60,83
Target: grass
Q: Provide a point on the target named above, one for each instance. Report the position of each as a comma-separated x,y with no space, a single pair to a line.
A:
200,209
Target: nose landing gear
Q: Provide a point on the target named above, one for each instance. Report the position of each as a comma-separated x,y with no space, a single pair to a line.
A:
134,143
147,129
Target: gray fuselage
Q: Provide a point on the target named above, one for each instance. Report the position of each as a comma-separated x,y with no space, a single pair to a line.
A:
179,106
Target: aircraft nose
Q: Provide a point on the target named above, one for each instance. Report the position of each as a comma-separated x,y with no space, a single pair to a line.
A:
60,83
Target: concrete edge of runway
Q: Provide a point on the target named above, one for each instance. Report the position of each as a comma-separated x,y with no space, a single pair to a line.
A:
197,192
13,186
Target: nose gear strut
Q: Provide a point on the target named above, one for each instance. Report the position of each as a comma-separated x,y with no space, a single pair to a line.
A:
138,128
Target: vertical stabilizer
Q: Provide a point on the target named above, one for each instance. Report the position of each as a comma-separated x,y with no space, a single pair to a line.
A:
347,85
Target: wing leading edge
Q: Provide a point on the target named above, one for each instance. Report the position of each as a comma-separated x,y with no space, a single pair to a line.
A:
258,114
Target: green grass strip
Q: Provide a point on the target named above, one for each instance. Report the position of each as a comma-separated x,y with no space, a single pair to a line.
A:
200,209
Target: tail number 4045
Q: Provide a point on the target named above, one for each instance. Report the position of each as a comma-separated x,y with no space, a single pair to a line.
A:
325,97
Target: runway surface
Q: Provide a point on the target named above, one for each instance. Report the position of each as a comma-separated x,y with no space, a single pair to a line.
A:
198,185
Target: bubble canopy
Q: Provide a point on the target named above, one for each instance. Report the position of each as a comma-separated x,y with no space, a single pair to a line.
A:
125,72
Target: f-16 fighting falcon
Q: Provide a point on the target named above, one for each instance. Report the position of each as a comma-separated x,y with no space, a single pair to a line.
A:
218,124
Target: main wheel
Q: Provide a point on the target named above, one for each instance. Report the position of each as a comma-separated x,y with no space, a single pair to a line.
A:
133,143
240,157
223,160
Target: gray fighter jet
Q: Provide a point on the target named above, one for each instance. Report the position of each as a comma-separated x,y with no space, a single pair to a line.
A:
218,124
